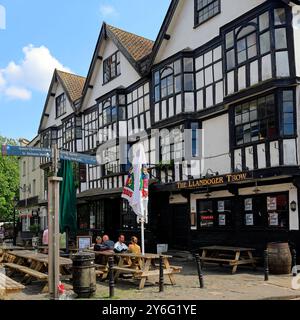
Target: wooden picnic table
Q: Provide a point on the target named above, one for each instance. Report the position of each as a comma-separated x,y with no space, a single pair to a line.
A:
103,268
234,256
143,266
33,264
8,285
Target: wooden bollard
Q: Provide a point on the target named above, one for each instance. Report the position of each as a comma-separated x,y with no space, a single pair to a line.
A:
111,277
161,274
266,265
200,274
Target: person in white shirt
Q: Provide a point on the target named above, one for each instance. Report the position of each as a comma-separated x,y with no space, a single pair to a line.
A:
120,246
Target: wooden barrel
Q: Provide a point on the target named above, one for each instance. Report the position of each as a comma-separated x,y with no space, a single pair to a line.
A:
280,258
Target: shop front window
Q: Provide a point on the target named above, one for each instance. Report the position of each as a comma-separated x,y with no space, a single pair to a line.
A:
214,213
266,211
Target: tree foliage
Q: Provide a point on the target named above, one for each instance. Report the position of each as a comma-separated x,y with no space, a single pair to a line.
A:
9,182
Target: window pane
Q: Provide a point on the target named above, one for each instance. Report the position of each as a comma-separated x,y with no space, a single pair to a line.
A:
282,64
208,76
177,67
188,64
280,39
188,82
265,44
230,59
177,84
279,16
288,95
264,21
229,40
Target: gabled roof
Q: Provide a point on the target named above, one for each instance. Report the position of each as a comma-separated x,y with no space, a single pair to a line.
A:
72,85
135,48
138,47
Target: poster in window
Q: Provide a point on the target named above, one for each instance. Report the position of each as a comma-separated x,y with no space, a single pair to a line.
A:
221,206
248,204
249,219
222,220
207,221
272,203
273,219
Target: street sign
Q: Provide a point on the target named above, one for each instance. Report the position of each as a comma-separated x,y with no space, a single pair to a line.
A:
78,157
8,150
17,151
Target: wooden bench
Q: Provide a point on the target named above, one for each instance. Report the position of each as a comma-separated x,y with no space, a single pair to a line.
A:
27,271
8,285
176,269
135,272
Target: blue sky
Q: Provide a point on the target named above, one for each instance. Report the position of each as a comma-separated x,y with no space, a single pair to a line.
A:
41,35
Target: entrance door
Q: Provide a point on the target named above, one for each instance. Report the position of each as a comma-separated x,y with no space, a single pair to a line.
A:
180,235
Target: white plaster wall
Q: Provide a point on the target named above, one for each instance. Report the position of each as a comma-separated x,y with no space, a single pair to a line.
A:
51,108
183,34
296,27
128,75
33,172
216,145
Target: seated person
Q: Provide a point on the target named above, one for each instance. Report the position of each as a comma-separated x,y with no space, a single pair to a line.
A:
134,247
106,244
120,246
97,246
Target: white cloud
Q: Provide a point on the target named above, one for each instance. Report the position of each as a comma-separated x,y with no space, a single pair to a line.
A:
107,10
16,93
33,72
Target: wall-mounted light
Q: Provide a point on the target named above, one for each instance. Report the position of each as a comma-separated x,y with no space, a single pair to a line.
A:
256,190
293,206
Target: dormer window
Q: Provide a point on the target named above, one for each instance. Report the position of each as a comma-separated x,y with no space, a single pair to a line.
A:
111,67
60,105
206,9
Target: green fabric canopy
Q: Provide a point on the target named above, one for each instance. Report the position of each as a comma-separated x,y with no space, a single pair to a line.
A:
67,203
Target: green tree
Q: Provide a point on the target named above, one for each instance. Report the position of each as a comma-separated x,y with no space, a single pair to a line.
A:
9,182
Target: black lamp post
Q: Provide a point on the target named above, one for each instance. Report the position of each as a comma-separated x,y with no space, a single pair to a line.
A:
14,222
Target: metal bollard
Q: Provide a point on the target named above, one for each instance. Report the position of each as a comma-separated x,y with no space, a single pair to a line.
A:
161,274
266,265
295,269
111,277
200,274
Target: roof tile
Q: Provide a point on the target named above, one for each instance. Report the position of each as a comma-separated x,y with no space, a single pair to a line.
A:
138,47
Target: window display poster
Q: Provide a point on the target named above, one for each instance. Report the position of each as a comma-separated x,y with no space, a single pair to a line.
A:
248,204
207,221
249,219
272,203
273,219
222,220
221,206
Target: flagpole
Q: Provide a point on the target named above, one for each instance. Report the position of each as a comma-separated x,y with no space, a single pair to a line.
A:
143,235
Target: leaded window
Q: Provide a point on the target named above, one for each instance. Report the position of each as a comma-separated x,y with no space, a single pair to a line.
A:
111,67
257,51
60,105
206,9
